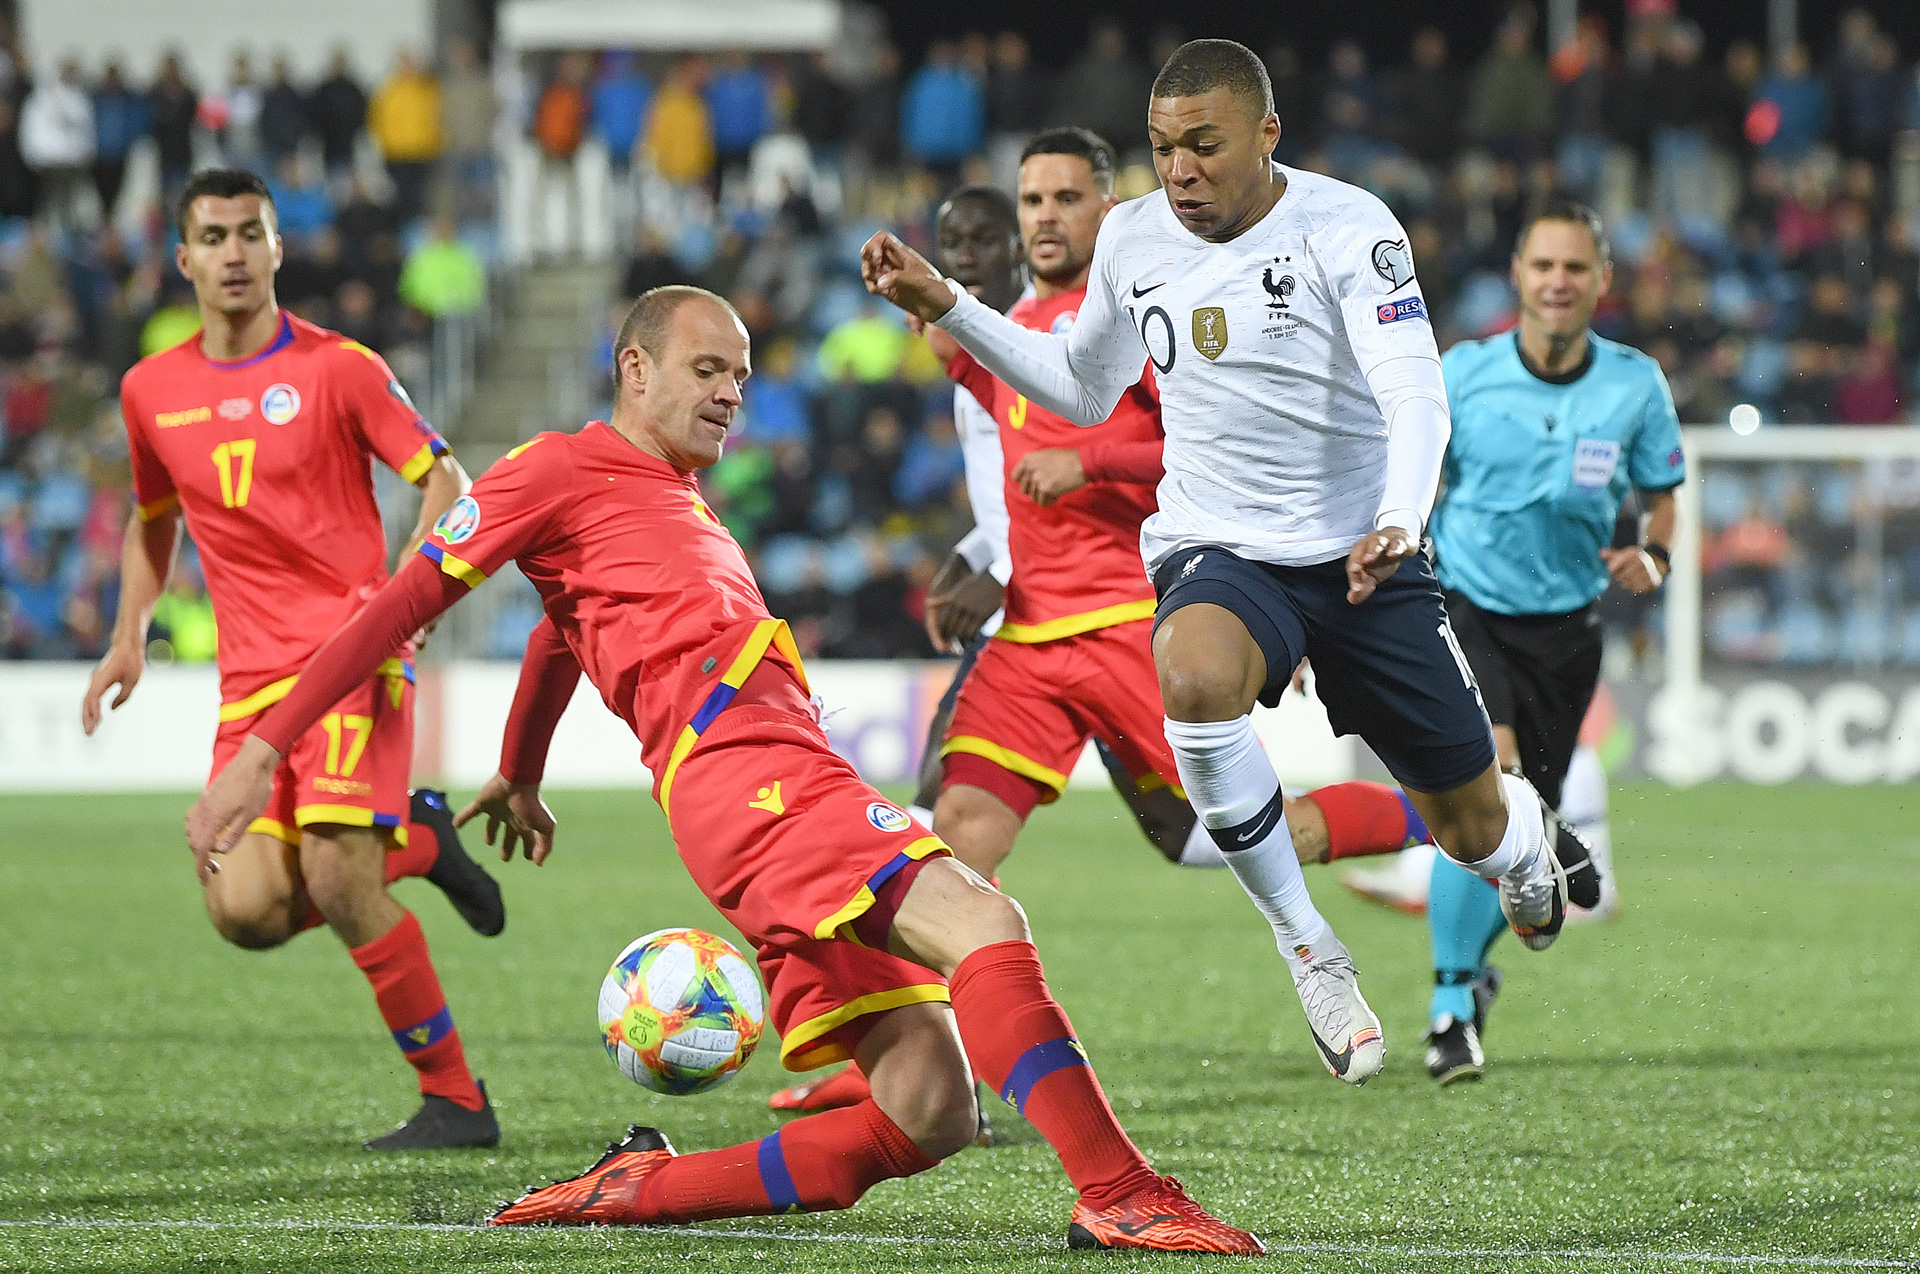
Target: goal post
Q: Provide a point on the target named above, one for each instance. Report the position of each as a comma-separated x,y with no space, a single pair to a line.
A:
1859,719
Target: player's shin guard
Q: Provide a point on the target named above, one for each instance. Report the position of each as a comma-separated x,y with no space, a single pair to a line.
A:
1237,795
408,992
1364,819
816,1164
1021,1043
1463,919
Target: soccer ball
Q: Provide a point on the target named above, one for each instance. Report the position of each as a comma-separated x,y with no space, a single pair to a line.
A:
680,1011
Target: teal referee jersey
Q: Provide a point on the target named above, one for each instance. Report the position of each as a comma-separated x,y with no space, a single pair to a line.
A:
1537,468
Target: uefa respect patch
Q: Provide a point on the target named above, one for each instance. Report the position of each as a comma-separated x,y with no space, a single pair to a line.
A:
1394,311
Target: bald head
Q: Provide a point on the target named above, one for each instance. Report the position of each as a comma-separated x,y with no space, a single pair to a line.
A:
682,358
648,320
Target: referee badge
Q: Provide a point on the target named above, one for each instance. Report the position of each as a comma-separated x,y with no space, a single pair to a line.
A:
1210,331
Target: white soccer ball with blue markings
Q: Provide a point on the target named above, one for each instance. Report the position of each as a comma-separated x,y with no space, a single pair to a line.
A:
681,1011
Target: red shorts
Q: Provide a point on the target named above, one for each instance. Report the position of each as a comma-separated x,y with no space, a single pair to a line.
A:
349,770
1026,712
787,840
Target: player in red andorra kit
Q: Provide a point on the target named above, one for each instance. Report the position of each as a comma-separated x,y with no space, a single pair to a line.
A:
1073,658
874,941
257,435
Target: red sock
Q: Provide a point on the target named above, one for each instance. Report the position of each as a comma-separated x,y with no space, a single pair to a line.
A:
408,992
415,858
844,1089
816,1164
1368,818
1022,1044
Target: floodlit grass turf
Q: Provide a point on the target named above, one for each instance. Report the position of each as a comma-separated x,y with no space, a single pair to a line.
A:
1729,1069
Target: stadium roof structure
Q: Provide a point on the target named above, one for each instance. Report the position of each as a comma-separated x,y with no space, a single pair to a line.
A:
762,25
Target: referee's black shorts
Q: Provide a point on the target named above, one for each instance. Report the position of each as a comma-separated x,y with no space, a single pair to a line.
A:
1537,675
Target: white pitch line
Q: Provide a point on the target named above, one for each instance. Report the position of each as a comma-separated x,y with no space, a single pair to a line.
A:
1733,1259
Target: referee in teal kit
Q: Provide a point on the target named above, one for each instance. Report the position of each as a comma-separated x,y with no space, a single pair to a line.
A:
1552,426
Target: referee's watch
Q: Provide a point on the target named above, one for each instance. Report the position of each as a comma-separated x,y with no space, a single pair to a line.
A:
1658,552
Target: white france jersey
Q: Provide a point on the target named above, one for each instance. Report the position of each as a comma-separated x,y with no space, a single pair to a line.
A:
1275,448
1263,346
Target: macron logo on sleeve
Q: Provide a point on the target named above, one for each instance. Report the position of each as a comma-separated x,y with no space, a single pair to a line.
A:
1394,311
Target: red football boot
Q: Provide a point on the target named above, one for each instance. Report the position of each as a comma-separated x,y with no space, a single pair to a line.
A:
1160,1218
843,1088
606,1194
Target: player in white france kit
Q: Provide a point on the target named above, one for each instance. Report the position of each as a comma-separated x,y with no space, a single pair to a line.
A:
1305,419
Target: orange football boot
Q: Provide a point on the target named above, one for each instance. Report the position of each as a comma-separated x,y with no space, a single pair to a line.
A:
1160,1218
608,1193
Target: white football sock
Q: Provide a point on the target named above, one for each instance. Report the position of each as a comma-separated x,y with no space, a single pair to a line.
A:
1200,851
1237,795
1523,850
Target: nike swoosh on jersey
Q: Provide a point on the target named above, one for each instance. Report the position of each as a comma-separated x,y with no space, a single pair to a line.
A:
1139,291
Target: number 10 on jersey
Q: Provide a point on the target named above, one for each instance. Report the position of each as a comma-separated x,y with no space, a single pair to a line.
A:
233,461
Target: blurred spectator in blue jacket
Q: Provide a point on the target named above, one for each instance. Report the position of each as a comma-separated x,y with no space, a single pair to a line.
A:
299,202
620,97
1790,108
943,113
931,463
740,101
120,118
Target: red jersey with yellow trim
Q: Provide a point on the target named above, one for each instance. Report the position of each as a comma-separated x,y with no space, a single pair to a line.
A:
651,593
270,459
1076,563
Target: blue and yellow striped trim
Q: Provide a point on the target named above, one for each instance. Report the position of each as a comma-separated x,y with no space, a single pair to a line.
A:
767,633
1007,759
839,923
801,1047
1036,1064
466,572
395,670
416,468
425,1035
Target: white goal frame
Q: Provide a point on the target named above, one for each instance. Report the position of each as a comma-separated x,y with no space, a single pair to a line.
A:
1702,443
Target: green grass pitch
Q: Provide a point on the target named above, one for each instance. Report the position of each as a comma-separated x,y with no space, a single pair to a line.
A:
1725,1078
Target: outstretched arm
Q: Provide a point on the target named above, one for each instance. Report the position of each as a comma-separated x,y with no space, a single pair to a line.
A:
1080,375
548,676
511,798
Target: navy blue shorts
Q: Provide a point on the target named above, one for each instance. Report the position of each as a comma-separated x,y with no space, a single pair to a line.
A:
1387,670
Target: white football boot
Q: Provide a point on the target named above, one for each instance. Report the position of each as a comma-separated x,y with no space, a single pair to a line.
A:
1345,1029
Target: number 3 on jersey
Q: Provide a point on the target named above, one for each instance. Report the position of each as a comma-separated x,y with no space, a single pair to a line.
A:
233,461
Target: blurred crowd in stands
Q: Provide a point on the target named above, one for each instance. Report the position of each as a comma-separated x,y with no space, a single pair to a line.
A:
1763,209
385,206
